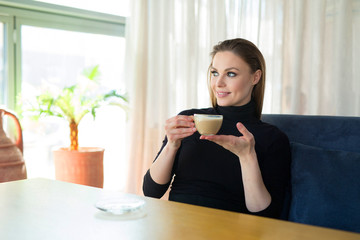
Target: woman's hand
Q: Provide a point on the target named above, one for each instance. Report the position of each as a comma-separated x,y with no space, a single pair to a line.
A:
240,146
178,128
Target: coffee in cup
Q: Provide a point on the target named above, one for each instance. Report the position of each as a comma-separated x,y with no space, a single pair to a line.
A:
208,124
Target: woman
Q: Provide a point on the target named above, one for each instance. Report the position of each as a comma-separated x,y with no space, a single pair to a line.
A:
246,166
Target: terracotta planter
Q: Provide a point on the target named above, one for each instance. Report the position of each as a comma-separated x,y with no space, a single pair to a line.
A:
83,166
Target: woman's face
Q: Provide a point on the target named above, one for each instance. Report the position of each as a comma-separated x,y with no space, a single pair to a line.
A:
231,79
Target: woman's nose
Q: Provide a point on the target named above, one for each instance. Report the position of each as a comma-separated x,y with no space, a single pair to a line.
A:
220,81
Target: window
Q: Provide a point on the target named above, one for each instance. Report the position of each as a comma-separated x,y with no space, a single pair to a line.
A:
43,44
6,57
115,7
2,63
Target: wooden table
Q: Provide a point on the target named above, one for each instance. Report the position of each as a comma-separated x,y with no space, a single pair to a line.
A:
46,209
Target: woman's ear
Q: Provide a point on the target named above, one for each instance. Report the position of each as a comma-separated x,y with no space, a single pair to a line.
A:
257,76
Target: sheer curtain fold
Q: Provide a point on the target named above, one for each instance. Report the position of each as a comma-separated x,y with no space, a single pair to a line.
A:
136,75
319,57
167,70
343,54
310,48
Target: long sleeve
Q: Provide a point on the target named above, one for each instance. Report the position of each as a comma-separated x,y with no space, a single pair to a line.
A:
275,168
153,189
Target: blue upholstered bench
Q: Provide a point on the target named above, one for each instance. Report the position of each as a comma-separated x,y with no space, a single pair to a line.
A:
325,169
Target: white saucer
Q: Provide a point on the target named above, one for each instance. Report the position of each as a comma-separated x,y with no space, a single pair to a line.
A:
120,205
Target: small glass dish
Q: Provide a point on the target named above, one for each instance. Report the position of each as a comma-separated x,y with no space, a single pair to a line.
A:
120,205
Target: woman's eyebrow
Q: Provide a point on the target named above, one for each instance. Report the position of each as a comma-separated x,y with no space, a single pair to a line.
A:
227,69
231,68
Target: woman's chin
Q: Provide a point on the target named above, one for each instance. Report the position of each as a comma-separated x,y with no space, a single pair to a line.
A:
222,104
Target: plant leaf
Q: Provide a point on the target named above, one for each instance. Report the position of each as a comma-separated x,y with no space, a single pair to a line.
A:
92,73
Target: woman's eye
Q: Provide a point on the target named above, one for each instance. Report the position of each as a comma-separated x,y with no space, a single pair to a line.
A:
231,74
214,73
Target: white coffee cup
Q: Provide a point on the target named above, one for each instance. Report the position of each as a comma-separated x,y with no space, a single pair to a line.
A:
207,124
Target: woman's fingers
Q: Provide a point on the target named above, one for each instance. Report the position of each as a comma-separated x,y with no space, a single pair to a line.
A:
180,121
237,145
180,130
179,127
243,130
222,140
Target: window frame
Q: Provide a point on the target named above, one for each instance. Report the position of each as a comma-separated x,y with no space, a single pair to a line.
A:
8,59
18,13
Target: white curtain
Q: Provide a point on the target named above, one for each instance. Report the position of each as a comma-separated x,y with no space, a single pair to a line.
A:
321,57
168,46
310,46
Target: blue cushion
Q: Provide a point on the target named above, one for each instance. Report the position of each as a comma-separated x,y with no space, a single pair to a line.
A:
325,187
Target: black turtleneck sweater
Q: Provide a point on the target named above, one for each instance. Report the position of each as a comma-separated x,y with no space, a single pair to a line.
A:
208,175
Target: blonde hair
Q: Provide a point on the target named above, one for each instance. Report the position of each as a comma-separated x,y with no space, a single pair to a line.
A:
252,56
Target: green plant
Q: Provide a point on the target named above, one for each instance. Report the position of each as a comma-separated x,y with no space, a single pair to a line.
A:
74,102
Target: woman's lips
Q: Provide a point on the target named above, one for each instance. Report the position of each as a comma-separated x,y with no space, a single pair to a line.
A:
222,94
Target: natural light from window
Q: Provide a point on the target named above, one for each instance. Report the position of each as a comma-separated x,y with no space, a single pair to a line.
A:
114,7
2,65
54,60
